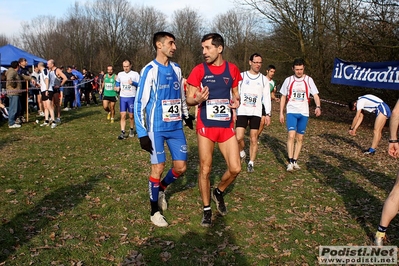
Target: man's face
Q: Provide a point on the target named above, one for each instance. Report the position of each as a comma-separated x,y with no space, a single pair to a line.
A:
270,73
299,71
23,63
256,64
126,66
110,70
50,64
210,51
168,46
69,70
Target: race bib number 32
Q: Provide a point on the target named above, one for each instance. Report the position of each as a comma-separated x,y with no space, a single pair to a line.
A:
171,110
218,109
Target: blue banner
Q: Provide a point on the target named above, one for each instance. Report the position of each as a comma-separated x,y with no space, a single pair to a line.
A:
380,75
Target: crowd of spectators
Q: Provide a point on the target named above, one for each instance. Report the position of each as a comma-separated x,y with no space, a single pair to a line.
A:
20,84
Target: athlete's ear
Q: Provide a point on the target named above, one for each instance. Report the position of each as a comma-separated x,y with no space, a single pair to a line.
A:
220,49
159,44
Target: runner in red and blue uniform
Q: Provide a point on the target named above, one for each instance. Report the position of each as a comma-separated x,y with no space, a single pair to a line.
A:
213,86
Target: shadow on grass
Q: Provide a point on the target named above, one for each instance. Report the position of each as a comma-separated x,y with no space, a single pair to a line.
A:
362,206
336,140
278,147
77,114
28,224
8,140
212,246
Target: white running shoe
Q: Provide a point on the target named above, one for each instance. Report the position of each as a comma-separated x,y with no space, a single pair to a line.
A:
53,125
162,203
290,167
296,166
159,220
45,124
15,126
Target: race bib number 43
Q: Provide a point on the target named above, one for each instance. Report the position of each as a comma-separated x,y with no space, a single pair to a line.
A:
218,109
171,110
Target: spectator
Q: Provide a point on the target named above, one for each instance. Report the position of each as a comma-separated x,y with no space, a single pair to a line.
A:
69,89
13,87
23,72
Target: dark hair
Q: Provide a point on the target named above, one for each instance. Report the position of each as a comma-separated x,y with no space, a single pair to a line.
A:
159,36
21,60
217,39
251,58
127,60
351,105
298,62
271,67
14,64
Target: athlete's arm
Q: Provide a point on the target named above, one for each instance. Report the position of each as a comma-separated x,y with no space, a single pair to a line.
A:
316,98
235,102
282,105
62,75
266,98
283,91
141,101
393,147
357,120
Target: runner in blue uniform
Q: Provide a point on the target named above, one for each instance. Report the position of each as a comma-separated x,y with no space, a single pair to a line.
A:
159,108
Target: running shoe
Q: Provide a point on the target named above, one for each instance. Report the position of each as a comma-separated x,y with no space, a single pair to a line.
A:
250,168
112,120
290,167
296,166
159,220
207,219
15,126
162,203
379,238
45,124
218,199
109,116
132,133
121,136
242,156
58,120
53,125
368,152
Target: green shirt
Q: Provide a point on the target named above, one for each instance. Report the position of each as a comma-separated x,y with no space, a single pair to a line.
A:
272,84
109,84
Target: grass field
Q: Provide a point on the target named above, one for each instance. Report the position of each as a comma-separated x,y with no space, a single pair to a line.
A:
76,195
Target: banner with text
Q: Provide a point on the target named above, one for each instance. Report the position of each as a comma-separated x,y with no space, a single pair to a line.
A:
380,75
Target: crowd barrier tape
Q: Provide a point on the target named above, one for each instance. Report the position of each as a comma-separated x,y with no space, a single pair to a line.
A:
31,88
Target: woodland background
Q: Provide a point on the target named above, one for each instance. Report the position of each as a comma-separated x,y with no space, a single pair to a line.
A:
94,34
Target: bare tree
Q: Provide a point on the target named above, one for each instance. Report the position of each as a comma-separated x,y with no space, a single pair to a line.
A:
112,22
242,33
144,23
186,26
3,40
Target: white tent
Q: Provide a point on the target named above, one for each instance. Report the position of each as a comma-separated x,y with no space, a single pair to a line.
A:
3,68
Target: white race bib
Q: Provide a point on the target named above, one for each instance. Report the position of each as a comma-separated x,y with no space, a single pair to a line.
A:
250,99
218,109
171,110
109,86
126,87
298,96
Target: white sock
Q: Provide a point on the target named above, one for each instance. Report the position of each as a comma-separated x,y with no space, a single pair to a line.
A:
242,153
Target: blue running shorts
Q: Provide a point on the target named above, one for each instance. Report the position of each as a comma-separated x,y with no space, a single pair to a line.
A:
297,122
176,142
